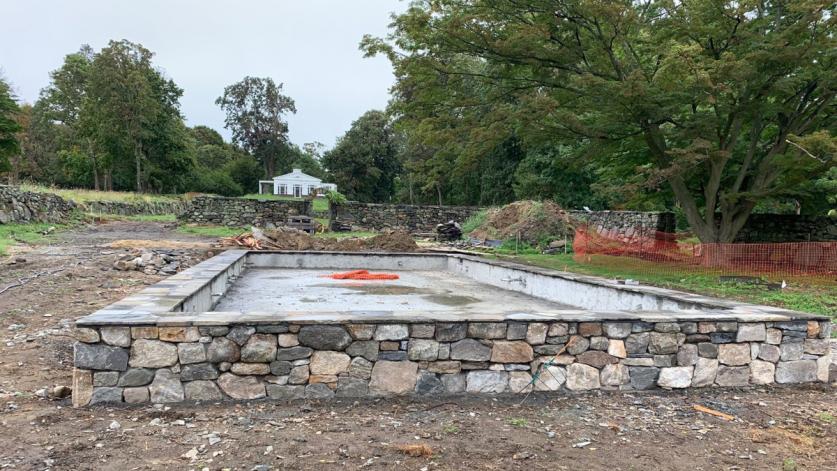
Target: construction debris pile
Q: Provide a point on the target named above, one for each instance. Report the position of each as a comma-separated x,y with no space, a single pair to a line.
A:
155,261
292,239
448,231
531,222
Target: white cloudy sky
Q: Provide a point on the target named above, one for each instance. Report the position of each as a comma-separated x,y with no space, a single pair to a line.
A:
309,45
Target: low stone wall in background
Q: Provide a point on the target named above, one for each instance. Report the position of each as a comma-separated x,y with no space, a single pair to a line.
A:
17,206
627,224
134,208
241,212
788,228
285,361
413,218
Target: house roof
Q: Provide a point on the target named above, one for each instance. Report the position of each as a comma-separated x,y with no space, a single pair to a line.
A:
297,174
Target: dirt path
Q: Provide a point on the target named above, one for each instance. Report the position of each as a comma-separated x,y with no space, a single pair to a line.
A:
624,430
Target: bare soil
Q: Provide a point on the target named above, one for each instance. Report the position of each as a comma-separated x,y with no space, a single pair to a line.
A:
658,430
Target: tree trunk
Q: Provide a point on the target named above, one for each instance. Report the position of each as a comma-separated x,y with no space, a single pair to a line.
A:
95,165
439,193
138,160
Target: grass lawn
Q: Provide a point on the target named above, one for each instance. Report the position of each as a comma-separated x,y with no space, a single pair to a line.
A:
11,234
803,294
318,204
211,231
83,195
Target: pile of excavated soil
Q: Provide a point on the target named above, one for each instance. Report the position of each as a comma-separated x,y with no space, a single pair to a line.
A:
534,222
292,239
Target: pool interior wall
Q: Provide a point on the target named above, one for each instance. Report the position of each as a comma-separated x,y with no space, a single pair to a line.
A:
535,329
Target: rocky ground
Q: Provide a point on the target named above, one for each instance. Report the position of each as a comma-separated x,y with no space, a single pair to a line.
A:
772,428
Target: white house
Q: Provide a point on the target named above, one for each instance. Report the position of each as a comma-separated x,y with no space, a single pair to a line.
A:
295,184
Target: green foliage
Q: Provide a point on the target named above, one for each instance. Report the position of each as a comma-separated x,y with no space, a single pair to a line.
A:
33,233
245,171
216,182
364,163
83,196
9,127
335,197
206,136
255,108
474,221
211,231
728,104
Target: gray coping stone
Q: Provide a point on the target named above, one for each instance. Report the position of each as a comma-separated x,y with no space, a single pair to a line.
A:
164,303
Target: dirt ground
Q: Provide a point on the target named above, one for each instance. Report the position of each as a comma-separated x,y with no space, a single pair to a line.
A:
773,428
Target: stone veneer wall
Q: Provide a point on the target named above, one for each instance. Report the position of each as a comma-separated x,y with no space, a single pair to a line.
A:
241,211
290,361
627,224
17,206
413,218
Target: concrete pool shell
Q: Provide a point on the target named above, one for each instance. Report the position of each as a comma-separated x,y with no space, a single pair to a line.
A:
451,323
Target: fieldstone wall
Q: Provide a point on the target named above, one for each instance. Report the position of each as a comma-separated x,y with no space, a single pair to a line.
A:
287,361
412,218
17,206
241,212
627,225
788,228
134,208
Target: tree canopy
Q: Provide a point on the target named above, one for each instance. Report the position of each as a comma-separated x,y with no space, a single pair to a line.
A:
9,126
728,103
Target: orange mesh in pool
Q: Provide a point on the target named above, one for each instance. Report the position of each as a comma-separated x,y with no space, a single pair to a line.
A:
362,275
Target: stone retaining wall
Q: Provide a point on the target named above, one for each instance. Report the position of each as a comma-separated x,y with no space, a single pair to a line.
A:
241,212
287,361
134,208
788,228
17,206
413,218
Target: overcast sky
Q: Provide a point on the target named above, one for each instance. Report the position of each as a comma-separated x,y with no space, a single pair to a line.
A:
203,45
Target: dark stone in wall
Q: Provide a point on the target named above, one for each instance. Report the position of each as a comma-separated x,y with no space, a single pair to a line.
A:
17,206
413,218
242,212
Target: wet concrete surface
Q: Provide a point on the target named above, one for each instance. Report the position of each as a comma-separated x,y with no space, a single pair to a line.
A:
283,289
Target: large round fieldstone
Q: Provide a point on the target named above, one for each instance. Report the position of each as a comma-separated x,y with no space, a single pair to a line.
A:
324,337
166,387
260,348
241,387
152,354
329,363
222,349
393,377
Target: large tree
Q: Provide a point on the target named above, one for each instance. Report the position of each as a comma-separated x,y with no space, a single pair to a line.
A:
731,102
9,126
255,109
364,163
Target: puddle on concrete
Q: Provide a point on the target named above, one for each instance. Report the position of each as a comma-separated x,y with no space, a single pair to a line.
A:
450,299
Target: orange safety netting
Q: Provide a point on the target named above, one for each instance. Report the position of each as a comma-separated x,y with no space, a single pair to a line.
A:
362,275
792,258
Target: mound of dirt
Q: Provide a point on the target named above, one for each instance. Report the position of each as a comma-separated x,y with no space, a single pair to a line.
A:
292,239
534,222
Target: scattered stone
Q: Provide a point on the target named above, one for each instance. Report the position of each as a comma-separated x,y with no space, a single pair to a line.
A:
323,337
260,348
166,387
100,357
152,354
505,351
241,387
675,377
391,377
392,332
582,377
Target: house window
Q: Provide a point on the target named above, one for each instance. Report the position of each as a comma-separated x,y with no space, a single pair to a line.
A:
297,191
283,189
312,189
